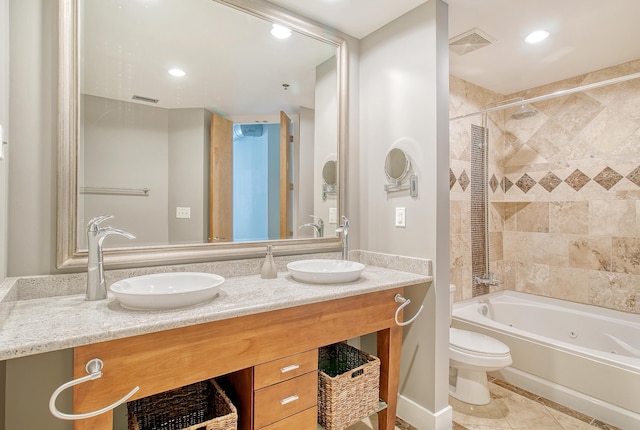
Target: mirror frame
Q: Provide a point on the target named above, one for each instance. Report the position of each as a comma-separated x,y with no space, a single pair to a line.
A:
68,256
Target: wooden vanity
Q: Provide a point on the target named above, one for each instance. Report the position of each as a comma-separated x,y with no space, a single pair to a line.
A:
251,350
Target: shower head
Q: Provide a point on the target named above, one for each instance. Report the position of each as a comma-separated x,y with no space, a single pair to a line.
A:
524,111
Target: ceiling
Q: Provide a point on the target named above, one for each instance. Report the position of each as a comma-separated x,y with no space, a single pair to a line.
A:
586,35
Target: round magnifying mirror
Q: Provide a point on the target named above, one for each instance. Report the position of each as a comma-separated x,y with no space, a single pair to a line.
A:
396,165
329,172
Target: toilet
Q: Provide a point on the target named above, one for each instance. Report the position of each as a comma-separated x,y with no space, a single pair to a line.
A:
471,356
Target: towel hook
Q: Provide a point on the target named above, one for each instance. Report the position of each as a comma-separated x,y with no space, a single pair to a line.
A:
405,302
94,370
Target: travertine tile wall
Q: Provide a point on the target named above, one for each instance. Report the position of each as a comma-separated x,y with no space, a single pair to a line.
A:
466,98
564,191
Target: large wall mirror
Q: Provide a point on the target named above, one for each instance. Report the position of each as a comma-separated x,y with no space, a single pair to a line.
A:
197,128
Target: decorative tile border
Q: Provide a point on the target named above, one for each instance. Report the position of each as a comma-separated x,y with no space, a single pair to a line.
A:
607,178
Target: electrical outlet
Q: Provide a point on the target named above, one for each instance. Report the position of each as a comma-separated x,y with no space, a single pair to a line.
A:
183,213
400,217
333,215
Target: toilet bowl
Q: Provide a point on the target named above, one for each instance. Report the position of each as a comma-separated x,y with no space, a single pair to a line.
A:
471,356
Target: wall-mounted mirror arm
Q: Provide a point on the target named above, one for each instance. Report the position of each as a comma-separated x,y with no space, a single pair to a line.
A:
397,166
412,186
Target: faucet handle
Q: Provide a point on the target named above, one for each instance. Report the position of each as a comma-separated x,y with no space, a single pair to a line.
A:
317,219
345,222
94,224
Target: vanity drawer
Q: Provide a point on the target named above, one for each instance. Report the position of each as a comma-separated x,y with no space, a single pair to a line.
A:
285,368
287,398
307,419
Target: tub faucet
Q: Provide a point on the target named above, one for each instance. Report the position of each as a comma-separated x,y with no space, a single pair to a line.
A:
318,226
344,229
96,284
486,279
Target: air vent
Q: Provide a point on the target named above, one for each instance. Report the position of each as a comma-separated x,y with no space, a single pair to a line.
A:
469,41
145,99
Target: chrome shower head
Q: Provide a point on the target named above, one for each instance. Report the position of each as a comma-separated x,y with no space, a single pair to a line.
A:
524,111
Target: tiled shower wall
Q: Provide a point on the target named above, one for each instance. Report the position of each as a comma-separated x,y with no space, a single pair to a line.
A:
564,191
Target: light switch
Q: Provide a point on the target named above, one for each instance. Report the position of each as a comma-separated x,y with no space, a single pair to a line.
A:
182,212
400,217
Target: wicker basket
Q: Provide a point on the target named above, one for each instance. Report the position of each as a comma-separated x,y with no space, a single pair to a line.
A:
199,406
348,386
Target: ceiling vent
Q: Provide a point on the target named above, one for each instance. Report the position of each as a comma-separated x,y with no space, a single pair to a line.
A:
144,99
470,41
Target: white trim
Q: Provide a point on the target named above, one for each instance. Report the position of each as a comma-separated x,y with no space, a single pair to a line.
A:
422,418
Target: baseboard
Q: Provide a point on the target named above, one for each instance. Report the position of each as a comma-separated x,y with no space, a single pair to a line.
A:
422,418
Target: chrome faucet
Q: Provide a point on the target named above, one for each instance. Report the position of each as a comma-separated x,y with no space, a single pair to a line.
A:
344,229
318,226
96,284
486,279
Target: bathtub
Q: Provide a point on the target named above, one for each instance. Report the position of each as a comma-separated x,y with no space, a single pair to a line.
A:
581,356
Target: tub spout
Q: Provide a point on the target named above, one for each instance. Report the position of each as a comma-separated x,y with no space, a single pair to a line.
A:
486,279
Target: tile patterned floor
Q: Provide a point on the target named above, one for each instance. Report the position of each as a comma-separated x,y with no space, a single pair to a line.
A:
510,408
372,423
514,408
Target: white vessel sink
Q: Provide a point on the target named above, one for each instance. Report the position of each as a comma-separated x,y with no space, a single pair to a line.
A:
325,271
166,290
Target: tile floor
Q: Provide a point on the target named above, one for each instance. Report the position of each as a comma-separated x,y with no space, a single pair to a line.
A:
510,408
372,423
514,408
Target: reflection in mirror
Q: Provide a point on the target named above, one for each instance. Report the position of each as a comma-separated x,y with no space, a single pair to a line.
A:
329,172
165,108
397,166
329,178
152,116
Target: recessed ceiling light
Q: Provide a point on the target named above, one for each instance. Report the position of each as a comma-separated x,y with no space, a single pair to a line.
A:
537,36
280,32
177,72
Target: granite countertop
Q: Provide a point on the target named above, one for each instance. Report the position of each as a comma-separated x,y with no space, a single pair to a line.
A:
38,325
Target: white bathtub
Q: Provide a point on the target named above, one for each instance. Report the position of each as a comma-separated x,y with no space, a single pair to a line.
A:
581,356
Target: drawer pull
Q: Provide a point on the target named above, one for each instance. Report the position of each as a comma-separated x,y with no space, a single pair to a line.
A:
289,399
289,368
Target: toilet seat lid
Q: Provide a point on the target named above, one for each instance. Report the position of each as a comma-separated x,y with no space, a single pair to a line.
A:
476,342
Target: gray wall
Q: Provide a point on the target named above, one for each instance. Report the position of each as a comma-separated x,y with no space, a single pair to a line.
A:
189,143
303,189
325,138
33,107
125,151
4,186
30,382
404,98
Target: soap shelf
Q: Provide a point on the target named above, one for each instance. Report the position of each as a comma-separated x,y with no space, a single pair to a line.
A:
381,406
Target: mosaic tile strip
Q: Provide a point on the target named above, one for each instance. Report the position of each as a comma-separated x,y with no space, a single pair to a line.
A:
577,180
607,178
550,181
452,179
464,180
525,183
493,183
